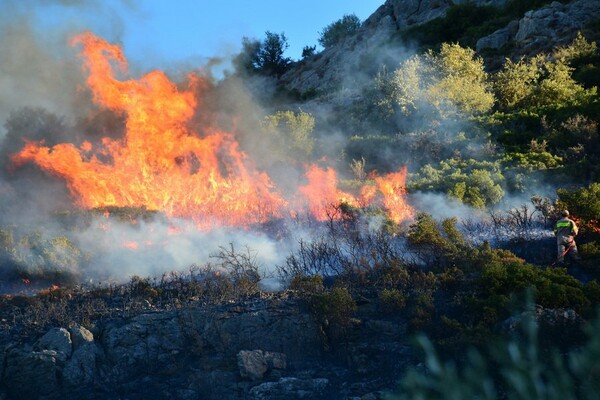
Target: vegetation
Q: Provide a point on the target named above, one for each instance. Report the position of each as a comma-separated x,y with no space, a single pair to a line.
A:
337,31
522,369
290,133
263,57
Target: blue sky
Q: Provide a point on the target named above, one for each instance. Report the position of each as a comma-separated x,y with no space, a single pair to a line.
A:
167,32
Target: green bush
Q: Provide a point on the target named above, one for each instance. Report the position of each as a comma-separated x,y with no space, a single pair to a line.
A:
517,369
392,301
307,285
333,312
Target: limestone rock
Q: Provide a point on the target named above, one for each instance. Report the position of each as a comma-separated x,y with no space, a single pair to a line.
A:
254,364
57,339
80,335
30,374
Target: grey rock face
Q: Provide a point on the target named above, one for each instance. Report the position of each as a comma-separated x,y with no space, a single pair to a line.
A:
269,349
31,374
555,24
342,67
499,38
58,340
543,29
255,364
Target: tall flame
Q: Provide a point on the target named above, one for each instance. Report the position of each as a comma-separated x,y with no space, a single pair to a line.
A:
162,165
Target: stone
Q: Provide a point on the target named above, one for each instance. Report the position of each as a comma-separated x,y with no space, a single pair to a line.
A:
57,339
80,335
252,364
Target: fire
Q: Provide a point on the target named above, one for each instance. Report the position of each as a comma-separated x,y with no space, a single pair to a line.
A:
321,192
392,187
161,164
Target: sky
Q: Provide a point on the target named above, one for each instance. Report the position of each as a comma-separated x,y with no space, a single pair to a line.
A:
167,32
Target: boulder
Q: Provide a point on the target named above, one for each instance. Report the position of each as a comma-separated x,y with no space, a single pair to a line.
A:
57,339
255,364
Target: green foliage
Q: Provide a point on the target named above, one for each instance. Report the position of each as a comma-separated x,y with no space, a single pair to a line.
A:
521,369
392,301
532,161
333,311
515,82
263,57
37,256
307,285
450,80
290,133
552,287
584,204
477,183
545,81
337,31
308,51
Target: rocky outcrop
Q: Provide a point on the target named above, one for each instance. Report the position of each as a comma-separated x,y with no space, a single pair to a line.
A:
543,29
343,68
267,349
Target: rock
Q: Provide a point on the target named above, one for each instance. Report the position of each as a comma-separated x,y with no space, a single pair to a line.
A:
289,389
252,364
80,335
57,339
80,369
255,364
554,24
30,374
499,38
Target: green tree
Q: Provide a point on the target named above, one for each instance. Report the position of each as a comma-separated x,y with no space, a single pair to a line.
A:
452,80
263,57
460,79
308,51
271,52
516,81
338,30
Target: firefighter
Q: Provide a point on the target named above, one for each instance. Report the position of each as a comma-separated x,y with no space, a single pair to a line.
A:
565,231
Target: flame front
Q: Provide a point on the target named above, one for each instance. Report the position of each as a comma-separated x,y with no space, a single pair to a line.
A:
161,165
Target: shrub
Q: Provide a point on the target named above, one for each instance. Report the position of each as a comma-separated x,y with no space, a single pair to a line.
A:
333,311
521,369
392,300
307,285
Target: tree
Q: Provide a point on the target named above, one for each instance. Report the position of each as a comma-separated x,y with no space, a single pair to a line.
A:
451,81
459,78
339,30
248,61
271,57
308,51
263,57
516,81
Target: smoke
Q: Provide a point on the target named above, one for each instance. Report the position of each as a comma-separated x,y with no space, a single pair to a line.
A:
42,100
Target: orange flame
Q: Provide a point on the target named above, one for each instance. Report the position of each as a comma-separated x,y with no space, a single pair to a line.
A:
322,193
162,165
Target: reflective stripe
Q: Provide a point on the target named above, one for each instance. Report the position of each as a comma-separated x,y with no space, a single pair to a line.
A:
563,224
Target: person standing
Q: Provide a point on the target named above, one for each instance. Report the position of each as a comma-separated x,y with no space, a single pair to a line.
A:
565,230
